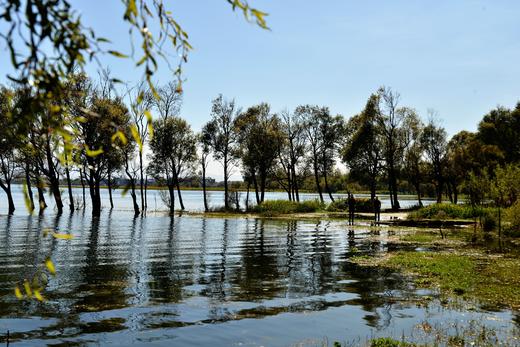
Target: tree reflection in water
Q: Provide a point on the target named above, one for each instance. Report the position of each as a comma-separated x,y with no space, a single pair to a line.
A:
141,274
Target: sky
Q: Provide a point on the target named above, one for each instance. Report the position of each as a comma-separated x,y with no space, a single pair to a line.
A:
457,57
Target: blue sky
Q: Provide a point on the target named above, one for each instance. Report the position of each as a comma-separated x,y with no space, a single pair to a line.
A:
457,57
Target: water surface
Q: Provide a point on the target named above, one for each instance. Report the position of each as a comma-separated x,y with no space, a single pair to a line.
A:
194,281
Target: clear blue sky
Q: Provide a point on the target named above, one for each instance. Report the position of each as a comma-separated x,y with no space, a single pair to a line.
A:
458,57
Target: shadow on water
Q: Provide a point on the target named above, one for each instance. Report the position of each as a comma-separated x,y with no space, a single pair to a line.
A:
196,281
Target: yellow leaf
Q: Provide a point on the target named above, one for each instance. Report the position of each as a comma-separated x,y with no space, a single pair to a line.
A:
18,293
93,153
62,236
27,287
38,295
119,135
27,199
149,122
137,137
50,266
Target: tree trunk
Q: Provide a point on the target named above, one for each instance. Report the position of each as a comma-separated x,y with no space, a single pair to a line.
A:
255,184
172,197
327,185
94,183
141,182
226,202
41,195
295,184
28,184
373,188
109,186
206,207
7,189
146,192
247,195
53,179
455,194
392,185
69,184
263,179
81,178
317,179
418,191
181,203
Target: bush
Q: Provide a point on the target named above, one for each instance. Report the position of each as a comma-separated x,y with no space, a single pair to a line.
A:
340,205
512,216
489,222
275,207
452,211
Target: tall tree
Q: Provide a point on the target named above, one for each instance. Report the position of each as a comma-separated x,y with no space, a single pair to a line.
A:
434,142
313,117
105,118
414,166
141,101
395,123
362,150
223,139
205,150
175,143
8,144
260,137
292,151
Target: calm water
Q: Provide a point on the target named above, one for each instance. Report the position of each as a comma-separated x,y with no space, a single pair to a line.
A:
206,282
194,281
193,200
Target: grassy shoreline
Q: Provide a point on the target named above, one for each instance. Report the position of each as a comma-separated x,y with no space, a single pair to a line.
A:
455,266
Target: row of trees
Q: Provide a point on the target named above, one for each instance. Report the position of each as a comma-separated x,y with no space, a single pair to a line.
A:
99,136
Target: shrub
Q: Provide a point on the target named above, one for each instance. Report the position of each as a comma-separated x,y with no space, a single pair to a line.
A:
489,222
512,216
340,205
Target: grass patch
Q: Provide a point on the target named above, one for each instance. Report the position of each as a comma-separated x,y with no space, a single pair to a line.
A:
278,207
450,211
494,280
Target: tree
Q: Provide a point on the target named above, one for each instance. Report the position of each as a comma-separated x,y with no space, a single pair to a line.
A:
434,142
205,150
292,151
362,150
174,143
314,119
395,123
260,137
8,144
331,130
414,166
106,117
141,101
223,138
501,128
47,41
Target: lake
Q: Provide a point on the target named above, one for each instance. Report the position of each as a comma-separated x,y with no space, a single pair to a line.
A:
193,281
193,199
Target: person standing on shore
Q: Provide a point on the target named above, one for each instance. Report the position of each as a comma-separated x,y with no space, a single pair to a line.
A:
377,210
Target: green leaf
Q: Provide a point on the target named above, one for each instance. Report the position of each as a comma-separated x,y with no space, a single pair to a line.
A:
118,54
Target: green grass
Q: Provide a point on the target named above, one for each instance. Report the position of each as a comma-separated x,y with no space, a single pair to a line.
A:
494,280
278,207
450,211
